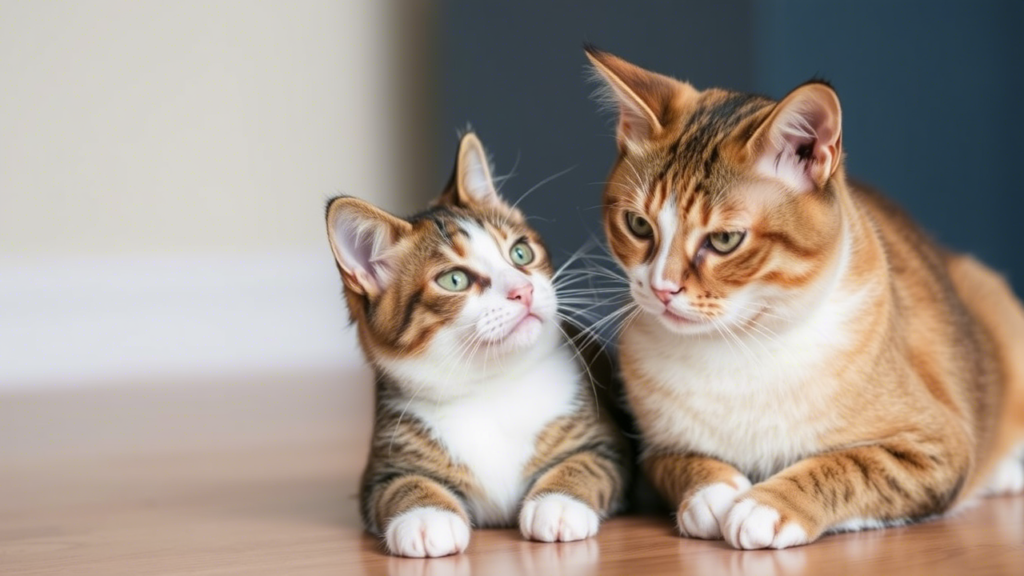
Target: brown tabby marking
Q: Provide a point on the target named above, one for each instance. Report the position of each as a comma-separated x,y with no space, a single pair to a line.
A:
900,415
580,455
391,269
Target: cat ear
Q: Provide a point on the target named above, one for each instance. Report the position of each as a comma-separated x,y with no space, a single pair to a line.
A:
362,237
800,143
474,181
644,99
471,183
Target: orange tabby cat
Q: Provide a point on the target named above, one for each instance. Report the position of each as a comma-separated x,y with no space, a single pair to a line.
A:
806,359
483,415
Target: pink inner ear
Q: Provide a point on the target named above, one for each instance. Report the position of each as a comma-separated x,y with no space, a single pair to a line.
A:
802,146
362,245
631,127
634,126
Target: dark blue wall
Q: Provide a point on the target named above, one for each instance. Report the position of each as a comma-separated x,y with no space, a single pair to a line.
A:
930,96
516,71
932,111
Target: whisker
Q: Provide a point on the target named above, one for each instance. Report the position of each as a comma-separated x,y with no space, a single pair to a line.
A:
583,362
501,180
595,328
527,193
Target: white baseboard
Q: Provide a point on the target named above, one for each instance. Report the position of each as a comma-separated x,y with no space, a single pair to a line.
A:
129,319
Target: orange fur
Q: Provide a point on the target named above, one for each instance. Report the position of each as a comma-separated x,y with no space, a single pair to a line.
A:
900,409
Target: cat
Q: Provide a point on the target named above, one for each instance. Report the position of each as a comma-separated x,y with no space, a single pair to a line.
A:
483,413
805,360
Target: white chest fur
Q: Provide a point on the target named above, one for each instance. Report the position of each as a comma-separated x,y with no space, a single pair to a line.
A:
758,403
493,429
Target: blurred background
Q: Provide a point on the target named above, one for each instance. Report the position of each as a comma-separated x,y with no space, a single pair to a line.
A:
165,278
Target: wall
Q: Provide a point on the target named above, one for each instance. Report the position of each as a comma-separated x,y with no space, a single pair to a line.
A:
163,166
516,71
929,89
931,109
163,171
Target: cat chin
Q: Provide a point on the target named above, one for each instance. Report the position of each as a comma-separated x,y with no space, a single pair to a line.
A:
524,334
435,374
532,333
682,326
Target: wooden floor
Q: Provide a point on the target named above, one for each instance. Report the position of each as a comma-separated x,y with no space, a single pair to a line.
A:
290,510
258,476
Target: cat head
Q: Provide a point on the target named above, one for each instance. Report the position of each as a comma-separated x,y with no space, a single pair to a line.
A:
453,292
722,206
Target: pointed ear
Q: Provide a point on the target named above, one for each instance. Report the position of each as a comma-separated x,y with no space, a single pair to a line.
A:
800,142
471,183
644,99
361,237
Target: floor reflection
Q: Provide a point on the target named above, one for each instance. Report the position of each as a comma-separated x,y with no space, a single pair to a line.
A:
761,562
990,536
566,559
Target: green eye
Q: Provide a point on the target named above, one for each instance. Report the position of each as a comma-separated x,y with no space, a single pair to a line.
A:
639,226
725,242
521,254
454,281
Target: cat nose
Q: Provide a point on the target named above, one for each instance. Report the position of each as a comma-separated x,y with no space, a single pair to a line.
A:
523,294
665,290
664,295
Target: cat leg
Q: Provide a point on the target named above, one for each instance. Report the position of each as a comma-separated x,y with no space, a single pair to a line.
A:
701,489
867,486
567,501
1008,477
421,518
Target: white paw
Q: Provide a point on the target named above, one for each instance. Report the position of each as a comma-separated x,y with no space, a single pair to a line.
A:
427,531
750,525
706,510
557,518
1006,479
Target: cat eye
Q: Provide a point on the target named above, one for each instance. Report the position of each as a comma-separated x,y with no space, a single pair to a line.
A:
725,242
639,226
521,254
454,281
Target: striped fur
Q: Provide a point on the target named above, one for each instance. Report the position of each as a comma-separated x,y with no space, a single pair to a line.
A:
836,370
484,413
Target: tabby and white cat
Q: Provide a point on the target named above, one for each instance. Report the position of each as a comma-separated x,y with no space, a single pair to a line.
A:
483,412
806,359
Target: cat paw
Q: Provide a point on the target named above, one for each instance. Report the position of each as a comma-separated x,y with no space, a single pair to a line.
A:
1006,479
750,525
557,518
703,513
427,532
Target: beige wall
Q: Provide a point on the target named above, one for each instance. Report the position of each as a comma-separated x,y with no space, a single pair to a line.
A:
135,127
163,172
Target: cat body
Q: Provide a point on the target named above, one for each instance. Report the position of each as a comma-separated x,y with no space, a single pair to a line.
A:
484,414
492,433
806,359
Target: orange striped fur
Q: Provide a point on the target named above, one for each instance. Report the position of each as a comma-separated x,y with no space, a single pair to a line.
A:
833,368
484,415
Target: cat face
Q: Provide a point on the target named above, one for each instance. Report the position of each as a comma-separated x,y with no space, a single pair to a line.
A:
449,294
720,208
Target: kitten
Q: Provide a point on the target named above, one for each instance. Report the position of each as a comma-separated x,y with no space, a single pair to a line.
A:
806,360
482,412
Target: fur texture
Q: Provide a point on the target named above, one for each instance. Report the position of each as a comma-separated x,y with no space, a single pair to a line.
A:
832,370
485,414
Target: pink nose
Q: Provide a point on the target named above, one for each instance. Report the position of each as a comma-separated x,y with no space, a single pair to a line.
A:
523,294
664,295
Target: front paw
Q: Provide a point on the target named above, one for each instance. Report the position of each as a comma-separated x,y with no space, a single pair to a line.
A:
751,525
427,531
557,518
702,514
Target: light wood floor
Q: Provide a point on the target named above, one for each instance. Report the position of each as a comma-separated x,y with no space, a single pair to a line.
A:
288,507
